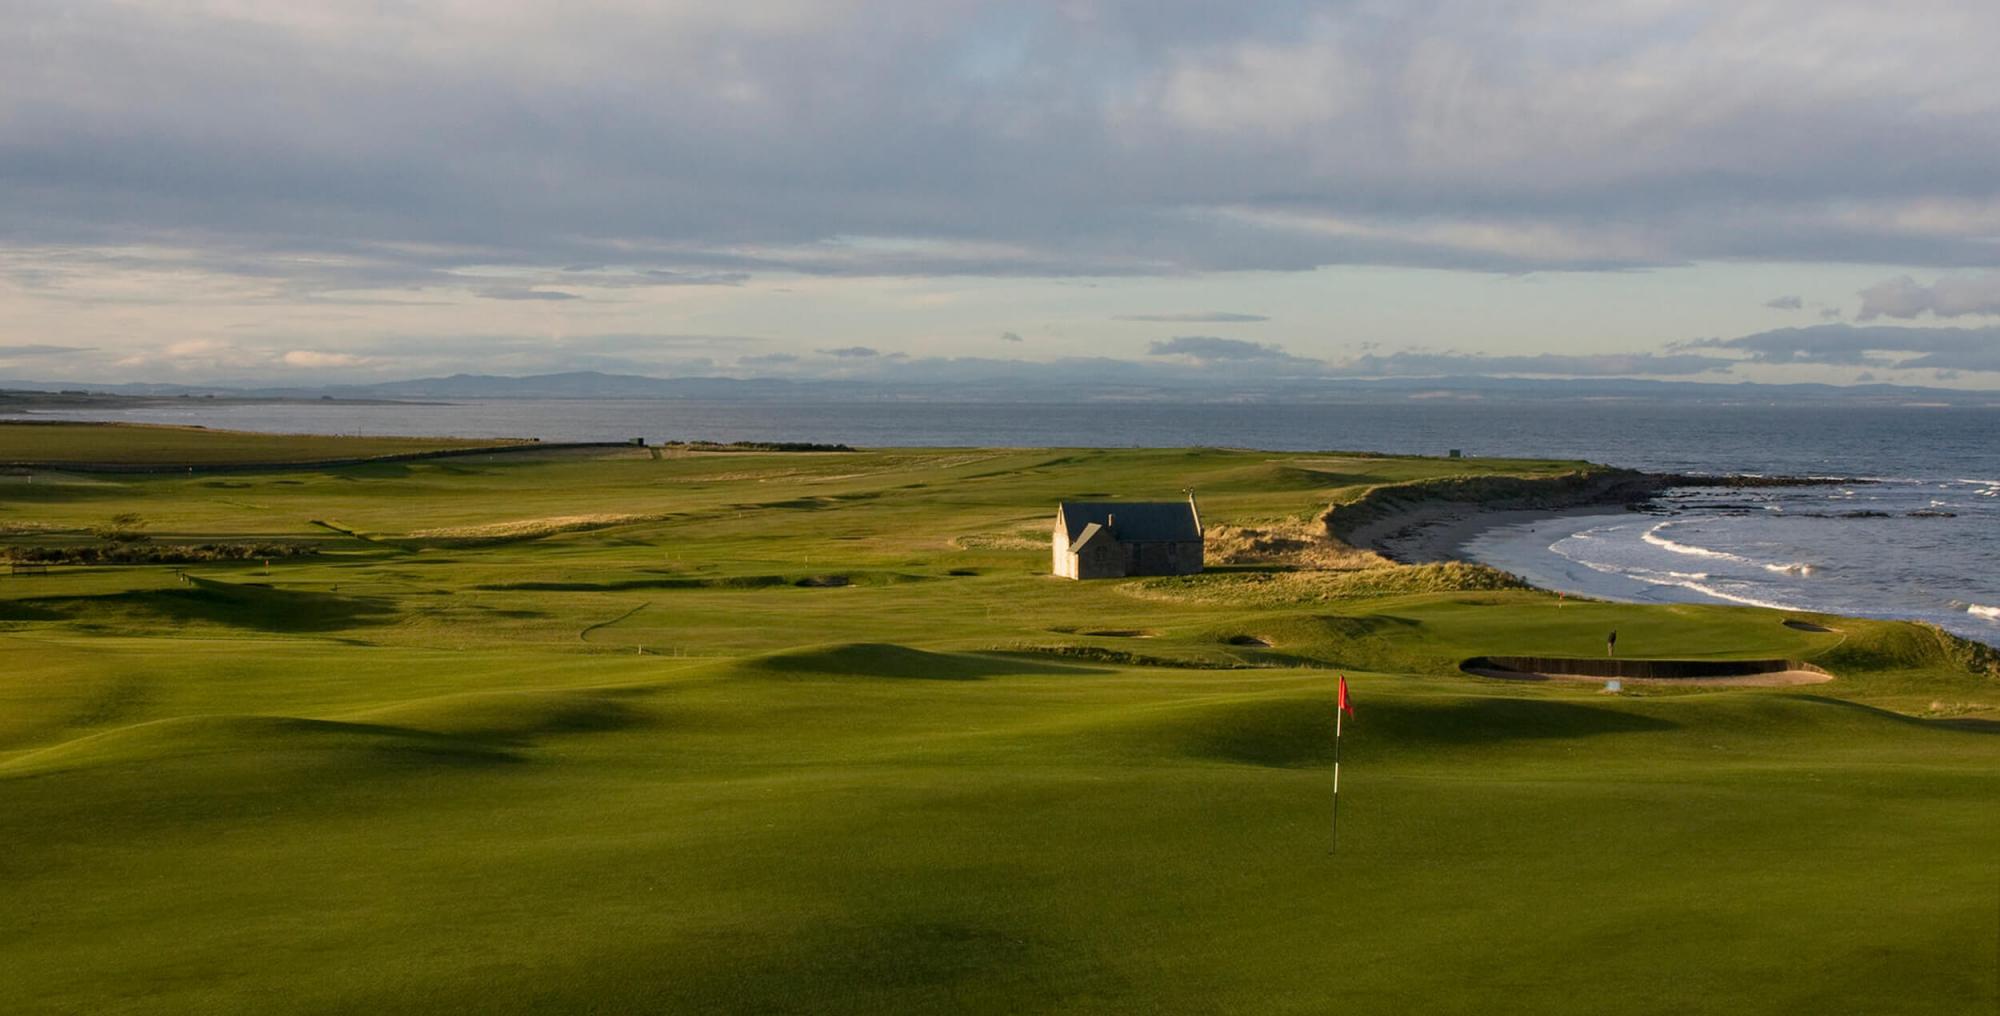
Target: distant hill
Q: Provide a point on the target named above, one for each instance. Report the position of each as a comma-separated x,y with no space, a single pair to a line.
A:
1074,380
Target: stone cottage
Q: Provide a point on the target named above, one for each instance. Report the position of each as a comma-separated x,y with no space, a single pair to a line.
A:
1113,539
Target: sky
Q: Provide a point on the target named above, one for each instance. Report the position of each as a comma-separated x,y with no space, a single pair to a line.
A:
1754,190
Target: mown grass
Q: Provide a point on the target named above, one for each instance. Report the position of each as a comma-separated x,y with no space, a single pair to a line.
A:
670,766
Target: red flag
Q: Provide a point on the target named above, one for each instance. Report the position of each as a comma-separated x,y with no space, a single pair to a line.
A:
1345,705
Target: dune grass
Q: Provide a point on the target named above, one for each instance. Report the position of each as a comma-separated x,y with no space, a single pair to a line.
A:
670,764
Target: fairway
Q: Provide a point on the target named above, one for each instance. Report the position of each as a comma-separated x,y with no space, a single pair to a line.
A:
817,732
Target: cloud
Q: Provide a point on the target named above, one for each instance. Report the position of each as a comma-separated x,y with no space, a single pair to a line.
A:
1010,337
1876,346
1197,317
852,352
1210,349
502,293
40,351
663,277
1899,297
1950,297
1423,364
314,358
767,359
1987,359
1100,138
1784,303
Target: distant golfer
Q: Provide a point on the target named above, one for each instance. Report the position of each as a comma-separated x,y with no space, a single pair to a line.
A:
1611,643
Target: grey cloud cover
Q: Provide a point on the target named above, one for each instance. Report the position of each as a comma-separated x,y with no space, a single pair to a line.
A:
1950,297
41,350
1421,364
1210,348
527,294
1196,317
1868,345
704,142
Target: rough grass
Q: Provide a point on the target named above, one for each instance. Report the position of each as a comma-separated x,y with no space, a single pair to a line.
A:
155,553
1268,589
527,529
1291,543
392,777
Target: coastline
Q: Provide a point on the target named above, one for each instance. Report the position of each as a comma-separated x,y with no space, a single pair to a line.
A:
1431,522
1614,549
1439,531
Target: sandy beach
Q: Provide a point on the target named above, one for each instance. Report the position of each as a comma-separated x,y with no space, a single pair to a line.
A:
1439,530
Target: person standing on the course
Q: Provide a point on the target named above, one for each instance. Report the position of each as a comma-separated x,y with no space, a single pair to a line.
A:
1611,643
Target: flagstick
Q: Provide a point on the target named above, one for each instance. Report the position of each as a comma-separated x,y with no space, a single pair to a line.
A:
1335,848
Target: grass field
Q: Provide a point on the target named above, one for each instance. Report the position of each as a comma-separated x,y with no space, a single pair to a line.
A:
816,733
121,445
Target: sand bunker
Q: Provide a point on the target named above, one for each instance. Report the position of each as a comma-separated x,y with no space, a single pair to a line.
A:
1741,673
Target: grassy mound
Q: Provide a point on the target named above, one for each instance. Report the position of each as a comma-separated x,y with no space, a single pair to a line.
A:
516,717
881,660
245,605
261,743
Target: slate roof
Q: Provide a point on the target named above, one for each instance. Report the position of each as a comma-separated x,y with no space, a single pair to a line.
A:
1137,521
1083,538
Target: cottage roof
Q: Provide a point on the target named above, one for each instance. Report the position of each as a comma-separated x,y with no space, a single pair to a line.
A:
1136,521
1089,533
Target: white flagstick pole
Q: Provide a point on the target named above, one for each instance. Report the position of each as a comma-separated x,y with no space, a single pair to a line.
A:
1336,778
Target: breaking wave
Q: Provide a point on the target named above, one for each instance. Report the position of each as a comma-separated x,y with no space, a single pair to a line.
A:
1653,537
1749,601
1712,550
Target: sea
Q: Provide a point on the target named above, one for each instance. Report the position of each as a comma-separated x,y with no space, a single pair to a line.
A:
1916,536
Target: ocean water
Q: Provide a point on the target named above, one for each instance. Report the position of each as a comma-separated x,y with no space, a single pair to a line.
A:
1902,548
1923,541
